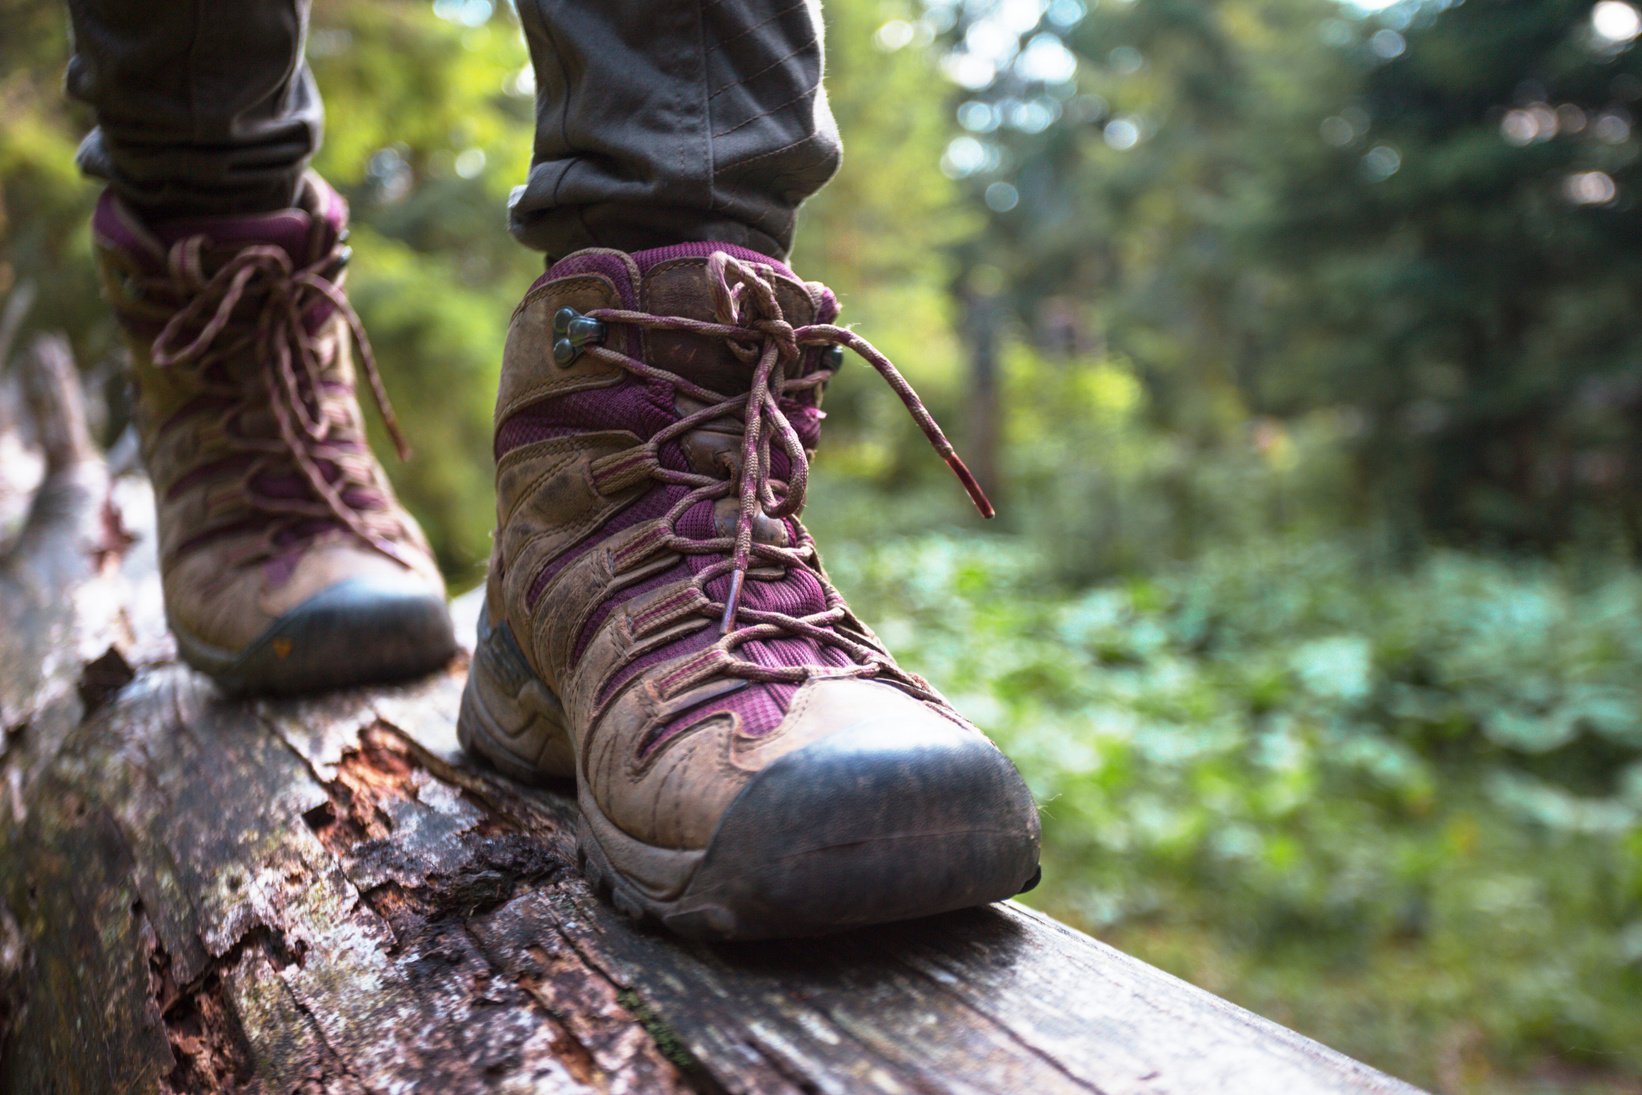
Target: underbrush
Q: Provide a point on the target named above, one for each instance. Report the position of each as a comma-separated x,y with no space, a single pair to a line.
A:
1396,807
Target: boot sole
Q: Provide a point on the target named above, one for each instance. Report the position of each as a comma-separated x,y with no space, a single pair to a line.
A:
853,830
353,633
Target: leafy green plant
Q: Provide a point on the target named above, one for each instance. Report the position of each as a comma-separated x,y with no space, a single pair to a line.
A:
1395,805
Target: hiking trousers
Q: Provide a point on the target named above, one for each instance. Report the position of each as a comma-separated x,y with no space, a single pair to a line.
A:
656,120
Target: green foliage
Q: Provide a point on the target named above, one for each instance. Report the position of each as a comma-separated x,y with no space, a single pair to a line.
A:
1142,496
425,135
442,344
1396,807
878,236
1423,221
1487,286
44,207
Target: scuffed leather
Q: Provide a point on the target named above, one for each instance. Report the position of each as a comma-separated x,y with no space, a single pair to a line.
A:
673,794
226,592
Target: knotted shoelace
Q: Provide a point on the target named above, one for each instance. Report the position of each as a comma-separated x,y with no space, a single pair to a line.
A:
749,319
204,332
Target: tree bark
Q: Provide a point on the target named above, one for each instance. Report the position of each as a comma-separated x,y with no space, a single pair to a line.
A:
324,895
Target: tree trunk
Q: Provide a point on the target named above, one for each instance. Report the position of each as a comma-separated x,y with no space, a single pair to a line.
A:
198,894
983,395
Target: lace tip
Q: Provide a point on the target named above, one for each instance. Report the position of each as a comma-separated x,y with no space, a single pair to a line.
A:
971,486
731,602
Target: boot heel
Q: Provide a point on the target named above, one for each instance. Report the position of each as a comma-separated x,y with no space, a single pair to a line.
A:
508,716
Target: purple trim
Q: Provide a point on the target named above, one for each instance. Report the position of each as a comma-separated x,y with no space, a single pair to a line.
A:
826,306
290,229
648,260
294,230
114,227
614,264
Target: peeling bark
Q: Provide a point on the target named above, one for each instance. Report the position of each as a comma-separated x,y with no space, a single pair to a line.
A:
324,895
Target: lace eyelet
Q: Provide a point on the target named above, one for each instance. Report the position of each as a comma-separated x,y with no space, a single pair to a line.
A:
571,332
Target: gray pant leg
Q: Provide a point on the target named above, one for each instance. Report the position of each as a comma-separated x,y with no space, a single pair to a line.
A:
660,122
202,106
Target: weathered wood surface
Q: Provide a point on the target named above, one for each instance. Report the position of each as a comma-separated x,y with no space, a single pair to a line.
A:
324,895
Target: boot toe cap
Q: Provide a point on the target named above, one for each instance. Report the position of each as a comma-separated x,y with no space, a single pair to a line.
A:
887,819
363,629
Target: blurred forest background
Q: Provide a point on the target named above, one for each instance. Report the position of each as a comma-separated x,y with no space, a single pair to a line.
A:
1299,342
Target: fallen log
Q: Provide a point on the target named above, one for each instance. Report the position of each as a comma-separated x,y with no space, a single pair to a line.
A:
325,895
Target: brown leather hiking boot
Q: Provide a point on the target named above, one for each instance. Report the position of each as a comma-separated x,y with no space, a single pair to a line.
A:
287,563
750,761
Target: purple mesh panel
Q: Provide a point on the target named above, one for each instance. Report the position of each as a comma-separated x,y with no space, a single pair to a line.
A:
289,484
673,574
525,428
303,235
232,528
600,262
760,706
696,523
687,644
298,533
671,456
647,508
277,570
213,469
642,408
361,498
282,485
794,651
649,260
797,593
806,422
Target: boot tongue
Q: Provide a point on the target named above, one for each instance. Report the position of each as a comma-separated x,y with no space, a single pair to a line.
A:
674,281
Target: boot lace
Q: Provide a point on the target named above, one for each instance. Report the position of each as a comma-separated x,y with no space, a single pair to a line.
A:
289,359
749,319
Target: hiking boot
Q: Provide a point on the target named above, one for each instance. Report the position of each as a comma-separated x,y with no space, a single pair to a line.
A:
750,761
287,564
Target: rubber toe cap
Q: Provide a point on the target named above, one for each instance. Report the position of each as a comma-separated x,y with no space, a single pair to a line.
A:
889,819
359,631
